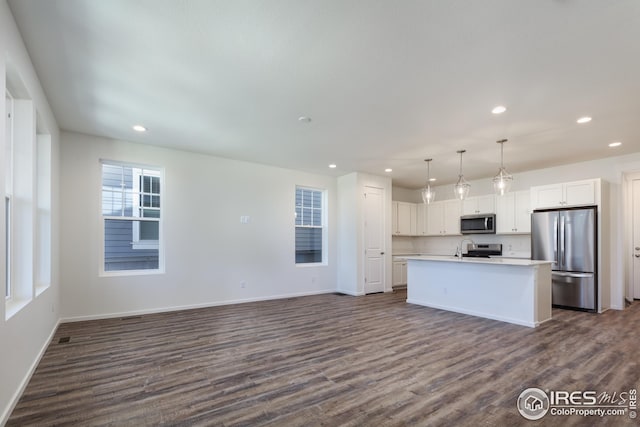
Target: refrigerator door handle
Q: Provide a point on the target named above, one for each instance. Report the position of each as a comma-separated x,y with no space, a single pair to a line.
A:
578,275
555,241
562,240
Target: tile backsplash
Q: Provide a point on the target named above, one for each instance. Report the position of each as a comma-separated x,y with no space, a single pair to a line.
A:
518,245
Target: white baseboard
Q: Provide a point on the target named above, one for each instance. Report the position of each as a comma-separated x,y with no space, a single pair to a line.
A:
353,294
191,306
25,381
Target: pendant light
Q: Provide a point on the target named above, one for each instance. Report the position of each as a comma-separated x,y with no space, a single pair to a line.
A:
502,181
461,189
428,194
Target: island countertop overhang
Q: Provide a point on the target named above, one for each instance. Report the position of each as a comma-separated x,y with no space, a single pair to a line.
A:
473,260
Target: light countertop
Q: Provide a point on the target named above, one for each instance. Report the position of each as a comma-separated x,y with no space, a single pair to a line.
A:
493,261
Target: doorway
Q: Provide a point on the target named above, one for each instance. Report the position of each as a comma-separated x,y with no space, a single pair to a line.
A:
374,242
635,242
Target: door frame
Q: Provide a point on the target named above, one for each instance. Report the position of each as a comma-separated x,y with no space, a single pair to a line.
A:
627,182
386,255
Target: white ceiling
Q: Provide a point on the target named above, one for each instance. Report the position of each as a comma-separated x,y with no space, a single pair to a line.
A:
386,83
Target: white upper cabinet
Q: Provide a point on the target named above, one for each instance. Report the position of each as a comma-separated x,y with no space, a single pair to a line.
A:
577,193
452,212
421,225
443,218
404,218
479,205
513,213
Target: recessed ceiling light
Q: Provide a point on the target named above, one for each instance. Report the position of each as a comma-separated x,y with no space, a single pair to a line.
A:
432,179
139,128
499,109
304,119
615,144
584,120
388,170
333,166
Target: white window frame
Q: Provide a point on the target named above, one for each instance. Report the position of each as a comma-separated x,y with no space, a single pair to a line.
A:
138,243
159,244
8,196
323,226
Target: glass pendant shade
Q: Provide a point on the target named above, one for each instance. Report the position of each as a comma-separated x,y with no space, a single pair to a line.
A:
461,189
502,181
428,193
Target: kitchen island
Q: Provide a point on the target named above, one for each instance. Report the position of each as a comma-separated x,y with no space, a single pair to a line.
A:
506,289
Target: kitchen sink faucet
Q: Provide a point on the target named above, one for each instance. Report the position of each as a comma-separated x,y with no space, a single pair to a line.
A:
459,247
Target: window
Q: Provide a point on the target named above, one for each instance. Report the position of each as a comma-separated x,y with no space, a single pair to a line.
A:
131,206
309,225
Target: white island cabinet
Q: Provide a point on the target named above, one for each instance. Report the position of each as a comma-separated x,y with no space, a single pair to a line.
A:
510,290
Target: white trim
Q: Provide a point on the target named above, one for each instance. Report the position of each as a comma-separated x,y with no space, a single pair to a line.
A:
101,218
628,251
347,292
193,306
25,381
324,218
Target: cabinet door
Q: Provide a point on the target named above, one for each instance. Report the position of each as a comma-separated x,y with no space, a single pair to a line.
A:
486,204
470,206
505,213
397,273
421,222
435,218
406,219
522,205
404,272
452,211
580,193
394,218
547,196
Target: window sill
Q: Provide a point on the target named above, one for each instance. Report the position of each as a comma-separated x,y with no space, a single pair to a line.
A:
41,288
144,245
122,273
311,264
14,306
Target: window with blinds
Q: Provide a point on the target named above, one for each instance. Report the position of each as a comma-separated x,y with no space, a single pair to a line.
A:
131,211
309,225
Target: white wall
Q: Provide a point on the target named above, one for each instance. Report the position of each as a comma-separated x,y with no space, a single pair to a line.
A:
351,217
25,335
208,252
611,170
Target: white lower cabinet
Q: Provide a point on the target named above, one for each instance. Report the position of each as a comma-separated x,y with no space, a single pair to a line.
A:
399,273
513,213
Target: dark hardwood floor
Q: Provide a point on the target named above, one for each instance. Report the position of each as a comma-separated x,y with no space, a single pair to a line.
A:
327,360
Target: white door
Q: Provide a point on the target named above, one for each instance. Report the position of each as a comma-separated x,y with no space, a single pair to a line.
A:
636,238
374,240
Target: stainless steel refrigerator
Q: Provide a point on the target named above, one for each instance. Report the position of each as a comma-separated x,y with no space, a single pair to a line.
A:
568,237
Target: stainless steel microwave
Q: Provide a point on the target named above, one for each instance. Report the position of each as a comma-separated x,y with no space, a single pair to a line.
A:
478,224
